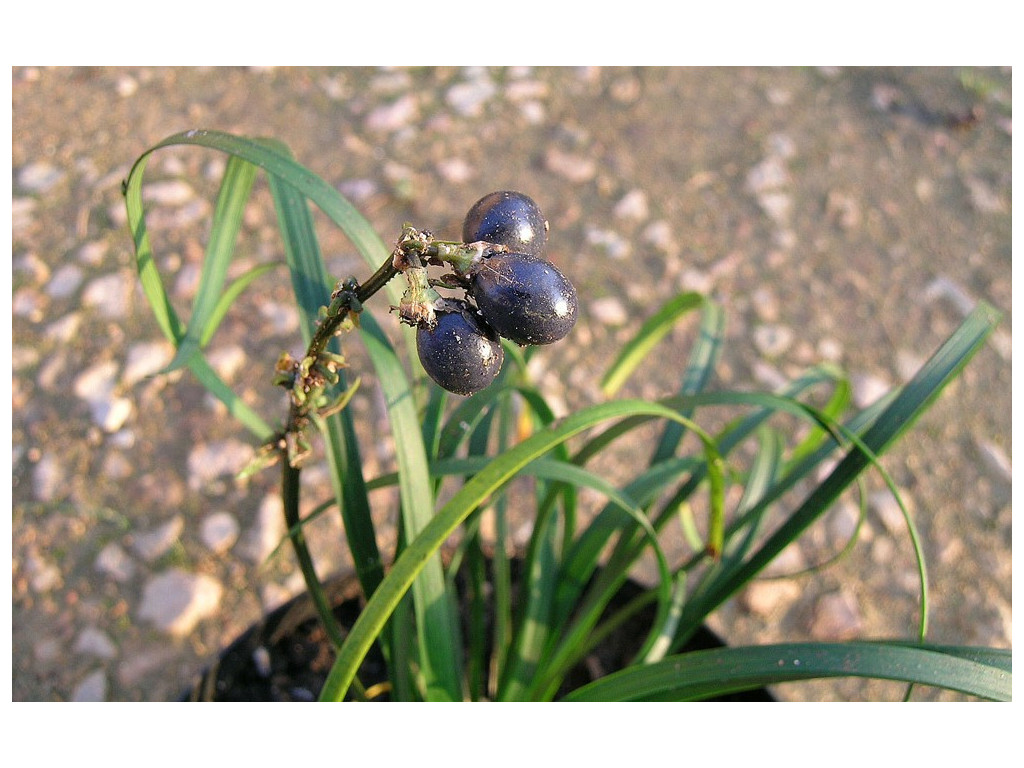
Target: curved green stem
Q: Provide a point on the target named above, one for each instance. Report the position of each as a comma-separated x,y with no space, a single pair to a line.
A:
290,496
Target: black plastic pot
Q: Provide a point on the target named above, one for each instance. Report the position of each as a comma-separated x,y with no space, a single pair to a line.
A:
287,655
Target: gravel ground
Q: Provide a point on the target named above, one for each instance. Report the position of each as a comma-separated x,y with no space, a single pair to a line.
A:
840,215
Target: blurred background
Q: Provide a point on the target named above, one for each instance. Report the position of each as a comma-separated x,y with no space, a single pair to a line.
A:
853,216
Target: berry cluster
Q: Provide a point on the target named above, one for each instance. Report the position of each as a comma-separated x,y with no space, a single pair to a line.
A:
511,291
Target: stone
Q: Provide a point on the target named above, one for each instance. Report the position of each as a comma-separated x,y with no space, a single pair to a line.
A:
96,381
126,86
526,90
790,560
944,288
997,462
830,349
261,658
843,209
115,563
219,531
64,329
93,253
95,385
612,243
609,311
769,174
781,145
777,205
836,617
625,90
765,304
39,177
468,98
94,642
455,170
768,375
116,466
283,318
883,550
65,281
152,544
227,361
773,339
571,167
358,190
885,507
391,117
186,281
23,358
22,215
31,264
841,523
661,235
764,598
134,668
43,576
109,294
266,532
112,414
49,479
175,601
984,198
868,388
908,363
170,192
92,688
632,206
533,112
29,303
209,461
144,359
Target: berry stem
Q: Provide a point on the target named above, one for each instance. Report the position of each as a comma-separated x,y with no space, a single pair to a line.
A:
308,378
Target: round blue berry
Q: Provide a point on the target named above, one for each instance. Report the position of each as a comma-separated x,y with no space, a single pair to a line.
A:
524,298
460,353
507,218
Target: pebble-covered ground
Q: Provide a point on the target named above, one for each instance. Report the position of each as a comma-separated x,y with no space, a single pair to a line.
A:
845,215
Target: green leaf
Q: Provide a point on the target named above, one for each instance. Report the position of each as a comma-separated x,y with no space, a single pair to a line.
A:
215,385
235,189
704,674
910,402
271,156
538,619
436,624
312,286
650,333
230,296
166,317
492,477
699,369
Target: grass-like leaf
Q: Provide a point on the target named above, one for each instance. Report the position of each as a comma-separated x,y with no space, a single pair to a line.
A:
499,471
228,297
650,333
700,368
312,286
166,316
704,674
235,188
911,401
436,625
561,612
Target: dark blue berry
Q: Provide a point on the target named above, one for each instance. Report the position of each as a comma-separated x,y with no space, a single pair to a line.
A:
460,353
524,298
507,218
